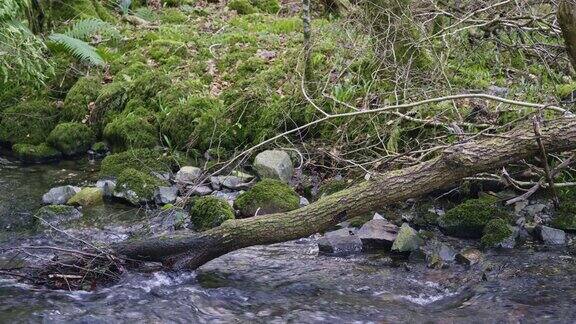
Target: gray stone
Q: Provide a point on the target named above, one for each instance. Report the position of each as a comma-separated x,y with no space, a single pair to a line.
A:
56,215
231,182
378,216
166,195
446,253
407,239
341,242
377,234
229,196
469,256
274,164
550,236
201,190
59,195
304,201
244,177
510,241
497,91
187,174
108,186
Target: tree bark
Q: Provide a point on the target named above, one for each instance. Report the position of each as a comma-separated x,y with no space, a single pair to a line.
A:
567,20
454,163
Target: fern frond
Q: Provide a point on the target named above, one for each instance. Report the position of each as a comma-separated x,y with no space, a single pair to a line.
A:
10,9
78,48
86,28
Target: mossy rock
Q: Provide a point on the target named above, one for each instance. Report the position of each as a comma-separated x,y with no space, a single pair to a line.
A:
41,153
242,7
266,197
78,99
55,215
28,122
495,232
209,212
468,219
167,51
140,159
138,186
565,217
100,148
132,130
71,138
88,196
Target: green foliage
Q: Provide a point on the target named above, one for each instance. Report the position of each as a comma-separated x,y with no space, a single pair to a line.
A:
242,7
29,122
469,218
495,232
140,159
71,138
268,6
77,48
40,153
173,16
131,130
86,28
209,212
141,183
565,216
84,91
266,197
167,51
565,90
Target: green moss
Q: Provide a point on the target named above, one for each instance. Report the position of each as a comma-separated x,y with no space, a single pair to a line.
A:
469,218
35,153
208,212
140,159
173,16
495,232
268,6
100,147
28,122
131,130
266,197
565,216
141,183
87,197
84,91
565,90
164,51
242,7
71,138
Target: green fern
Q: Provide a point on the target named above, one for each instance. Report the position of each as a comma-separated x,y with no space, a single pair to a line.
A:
86,28
78,48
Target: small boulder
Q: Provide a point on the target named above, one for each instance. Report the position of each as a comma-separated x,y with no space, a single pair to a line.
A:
274,164
407,239
550,236
187,174
498,233
55,215
208,212
468,219
59,195
469,256
229,196
107,187
166,195
440,256
88,196
267,197
340,242
304,201
377,234
201,190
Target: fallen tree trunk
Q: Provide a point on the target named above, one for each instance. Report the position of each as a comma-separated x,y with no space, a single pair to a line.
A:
454,163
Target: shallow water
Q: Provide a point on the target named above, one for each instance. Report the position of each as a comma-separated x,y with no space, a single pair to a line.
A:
287,282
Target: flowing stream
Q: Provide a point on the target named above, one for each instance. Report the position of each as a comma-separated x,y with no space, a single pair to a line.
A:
287,282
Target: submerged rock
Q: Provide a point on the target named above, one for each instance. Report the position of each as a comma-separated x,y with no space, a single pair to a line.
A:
166,195
88,196
55,215
340,242
407,239
274,164
550,236
187,174
59,195
378,234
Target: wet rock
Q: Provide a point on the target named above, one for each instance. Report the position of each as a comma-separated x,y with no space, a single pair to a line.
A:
378,234
550,236
440,256
88,196
304,201
229,196
469,256
59,195
274,164
187,174
341,242
407,239
418,255
201,190
499,234
166,195
55,215
230,182
107,186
